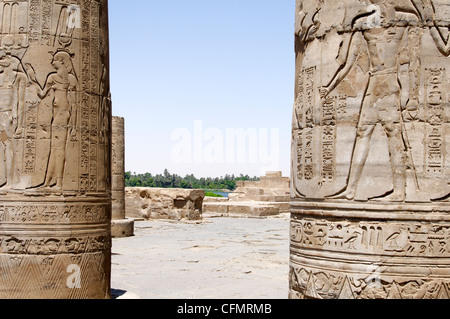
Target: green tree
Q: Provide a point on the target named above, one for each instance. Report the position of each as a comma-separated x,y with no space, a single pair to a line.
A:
168,180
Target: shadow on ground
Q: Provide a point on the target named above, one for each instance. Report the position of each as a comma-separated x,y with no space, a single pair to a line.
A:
116,293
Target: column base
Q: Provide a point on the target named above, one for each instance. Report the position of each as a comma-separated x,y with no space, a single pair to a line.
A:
122,228
343,250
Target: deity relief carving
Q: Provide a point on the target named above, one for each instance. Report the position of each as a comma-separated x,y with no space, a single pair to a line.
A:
370,150
381,100
54,148
13,83
372,61
63,85
49,115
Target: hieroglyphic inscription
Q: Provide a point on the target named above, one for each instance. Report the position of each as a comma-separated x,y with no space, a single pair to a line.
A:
42,213
47,7
40,21
31,136
85,99
435,97
306,101
34,19
306,114
94,76
342,105
300,160
300,119
309,118
328,140
394,240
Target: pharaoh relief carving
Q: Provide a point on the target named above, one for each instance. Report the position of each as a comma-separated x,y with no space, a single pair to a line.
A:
54,97
370,115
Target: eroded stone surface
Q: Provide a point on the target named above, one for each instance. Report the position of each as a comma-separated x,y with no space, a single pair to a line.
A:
243,209
267,197
118,168
162,203
270,188
370,150
120,226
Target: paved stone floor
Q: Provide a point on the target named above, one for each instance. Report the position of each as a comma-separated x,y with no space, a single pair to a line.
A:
218,258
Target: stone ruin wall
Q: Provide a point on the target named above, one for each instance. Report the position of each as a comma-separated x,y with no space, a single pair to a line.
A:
267,197
272,187
161,203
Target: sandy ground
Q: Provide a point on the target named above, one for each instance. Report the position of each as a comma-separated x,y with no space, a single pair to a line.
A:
218,258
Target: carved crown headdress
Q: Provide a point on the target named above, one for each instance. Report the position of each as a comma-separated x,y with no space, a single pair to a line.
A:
14,36
69,18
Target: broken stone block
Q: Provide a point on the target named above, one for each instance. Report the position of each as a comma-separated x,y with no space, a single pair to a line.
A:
162,203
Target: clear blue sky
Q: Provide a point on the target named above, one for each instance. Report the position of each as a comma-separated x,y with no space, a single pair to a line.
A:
226,65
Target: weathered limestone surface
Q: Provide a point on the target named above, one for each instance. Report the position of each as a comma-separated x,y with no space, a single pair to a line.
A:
267,197
120,225
270,188
241,209
162,203
55,203
371,150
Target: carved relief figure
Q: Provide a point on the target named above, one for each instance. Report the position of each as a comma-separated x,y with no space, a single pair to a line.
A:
13,84
381,103
104,118
440,35
62,85
12,104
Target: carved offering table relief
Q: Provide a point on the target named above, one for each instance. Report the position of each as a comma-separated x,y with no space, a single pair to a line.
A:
55,176
370,150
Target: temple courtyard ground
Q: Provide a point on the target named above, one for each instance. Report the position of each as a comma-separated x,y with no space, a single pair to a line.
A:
217,258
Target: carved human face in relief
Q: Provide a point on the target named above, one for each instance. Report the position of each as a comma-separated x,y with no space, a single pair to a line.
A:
383,10
57,63
5,61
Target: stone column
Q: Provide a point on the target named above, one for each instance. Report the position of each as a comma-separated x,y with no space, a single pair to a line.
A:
55,203
120,225
370,150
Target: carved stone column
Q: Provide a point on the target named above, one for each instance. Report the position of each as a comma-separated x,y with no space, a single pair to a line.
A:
371,150
120,225
55,203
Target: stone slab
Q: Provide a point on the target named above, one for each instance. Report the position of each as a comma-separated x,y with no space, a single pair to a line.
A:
161,203
122,228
